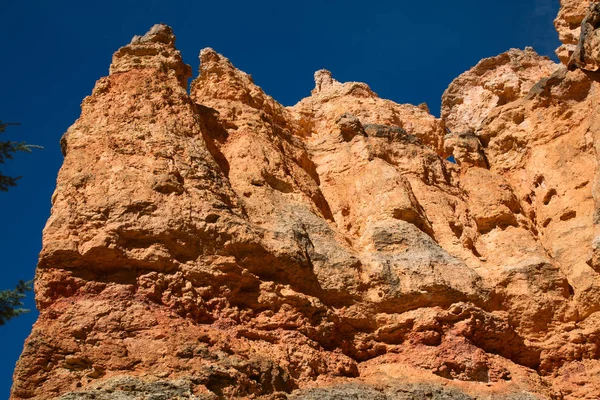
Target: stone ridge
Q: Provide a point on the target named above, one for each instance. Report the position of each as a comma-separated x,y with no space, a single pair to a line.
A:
216,244
493,82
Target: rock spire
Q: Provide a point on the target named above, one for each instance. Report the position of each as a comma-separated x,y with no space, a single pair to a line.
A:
216,244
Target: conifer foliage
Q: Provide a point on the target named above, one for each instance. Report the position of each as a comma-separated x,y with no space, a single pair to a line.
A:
11,301
7,150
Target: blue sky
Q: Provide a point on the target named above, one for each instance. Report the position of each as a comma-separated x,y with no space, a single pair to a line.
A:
54,51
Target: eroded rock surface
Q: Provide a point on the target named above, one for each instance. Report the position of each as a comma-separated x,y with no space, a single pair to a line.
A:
493,82
219,245
578,26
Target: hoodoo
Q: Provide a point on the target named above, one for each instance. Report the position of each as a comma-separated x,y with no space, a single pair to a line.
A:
215,244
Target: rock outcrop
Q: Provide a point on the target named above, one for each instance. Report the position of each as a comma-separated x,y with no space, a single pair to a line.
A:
493,82
578,26
215,244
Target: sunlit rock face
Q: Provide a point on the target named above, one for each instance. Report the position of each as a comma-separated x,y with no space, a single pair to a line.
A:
215,244
578,26
493,82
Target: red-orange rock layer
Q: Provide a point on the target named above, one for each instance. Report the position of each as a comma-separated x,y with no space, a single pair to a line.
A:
215,244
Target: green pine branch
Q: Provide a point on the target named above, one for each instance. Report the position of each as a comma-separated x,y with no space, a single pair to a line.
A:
7,150
11,301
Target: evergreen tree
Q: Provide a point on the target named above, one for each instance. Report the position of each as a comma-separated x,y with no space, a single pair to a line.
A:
7,149
10,301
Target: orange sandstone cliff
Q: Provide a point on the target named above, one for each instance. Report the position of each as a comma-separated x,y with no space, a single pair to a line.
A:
214,244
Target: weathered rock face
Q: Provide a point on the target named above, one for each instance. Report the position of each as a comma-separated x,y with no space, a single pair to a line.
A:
219,245
493,82
578,26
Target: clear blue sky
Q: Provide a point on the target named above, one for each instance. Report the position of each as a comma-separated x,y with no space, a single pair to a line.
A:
54,51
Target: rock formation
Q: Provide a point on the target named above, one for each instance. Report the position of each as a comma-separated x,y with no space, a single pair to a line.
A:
215,244
491,83
578,25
